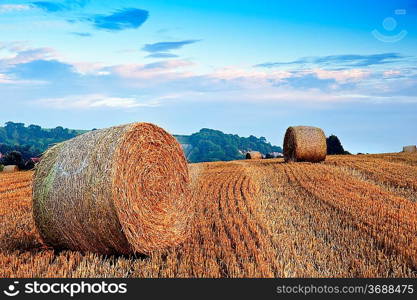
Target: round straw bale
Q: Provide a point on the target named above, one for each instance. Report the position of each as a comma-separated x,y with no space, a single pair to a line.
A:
254,155
118,190
410,149
10,169
305,143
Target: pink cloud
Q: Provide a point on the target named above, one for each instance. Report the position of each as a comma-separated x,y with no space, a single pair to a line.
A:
341,75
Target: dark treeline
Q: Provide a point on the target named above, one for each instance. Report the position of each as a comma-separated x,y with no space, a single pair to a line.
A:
214,145
31,140
205,145
334,146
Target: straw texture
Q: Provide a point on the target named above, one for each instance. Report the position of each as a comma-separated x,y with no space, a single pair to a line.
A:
10,169
118,190
304,143
254,155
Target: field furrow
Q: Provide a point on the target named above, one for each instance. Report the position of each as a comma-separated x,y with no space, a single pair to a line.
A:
351,216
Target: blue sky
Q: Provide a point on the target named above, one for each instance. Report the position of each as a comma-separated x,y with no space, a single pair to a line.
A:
245,67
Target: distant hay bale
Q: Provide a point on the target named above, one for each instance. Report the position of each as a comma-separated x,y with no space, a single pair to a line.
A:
10,169
410,149
254,155
118,190
305,143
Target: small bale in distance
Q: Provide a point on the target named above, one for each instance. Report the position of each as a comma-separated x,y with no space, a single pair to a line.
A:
410,149
304,143
254,155
10,169
120,190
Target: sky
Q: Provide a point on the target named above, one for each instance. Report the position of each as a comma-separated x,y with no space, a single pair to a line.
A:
243,67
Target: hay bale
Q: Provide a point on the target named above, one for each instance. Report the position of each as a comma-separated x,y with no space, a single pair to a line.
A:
254,155
305,143
118,190
10,169
410,149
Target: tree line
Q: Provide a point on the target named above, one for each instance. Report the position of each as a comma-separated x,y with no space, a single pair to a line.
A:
203,146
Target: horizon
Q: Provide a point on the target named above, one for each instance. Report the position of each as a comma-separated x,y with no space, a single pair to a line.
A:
239,67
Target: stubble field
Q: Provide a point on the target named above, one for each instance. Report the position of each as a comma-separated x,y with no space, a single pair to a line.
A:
351,216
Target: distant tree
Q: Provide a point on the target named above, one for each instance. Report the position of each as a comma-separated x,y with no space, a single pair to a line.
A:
34,139
334,146
29,165
35,130
13,129
214,145
13,158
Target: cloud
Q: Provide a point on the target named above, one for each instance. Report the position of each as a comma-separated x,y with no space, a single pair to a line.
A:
159,71
53,7
6,8
44,69
89,101
99,85
128,18
162,55
50,6
347,60
166,46
82,34
21,54
90,68
9,80
392,73
340,75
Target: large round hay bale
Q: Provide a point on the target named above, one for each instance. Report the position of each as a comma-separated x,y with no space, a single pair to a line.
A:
254,155
305,143
118,190
10,169
410,149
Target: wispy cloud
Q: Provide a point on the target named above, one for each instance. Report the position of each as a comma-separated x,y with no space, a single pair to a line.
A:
53,7
128,18
6,8
159,71
346,60
82,34
161,49
95,101
49,6
101,85
162,55
21,54
166,46
44,70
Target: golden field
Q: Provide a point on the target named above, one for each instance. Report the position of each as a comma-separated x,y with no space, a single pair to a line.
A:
350,216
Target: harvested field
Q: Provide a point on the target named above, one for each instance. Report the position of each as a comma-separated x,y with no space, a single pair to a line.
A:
351,216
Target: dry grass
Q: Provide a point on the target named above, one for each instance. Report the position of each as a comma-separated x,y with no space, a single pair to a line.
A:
352,216
119,190
254,155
